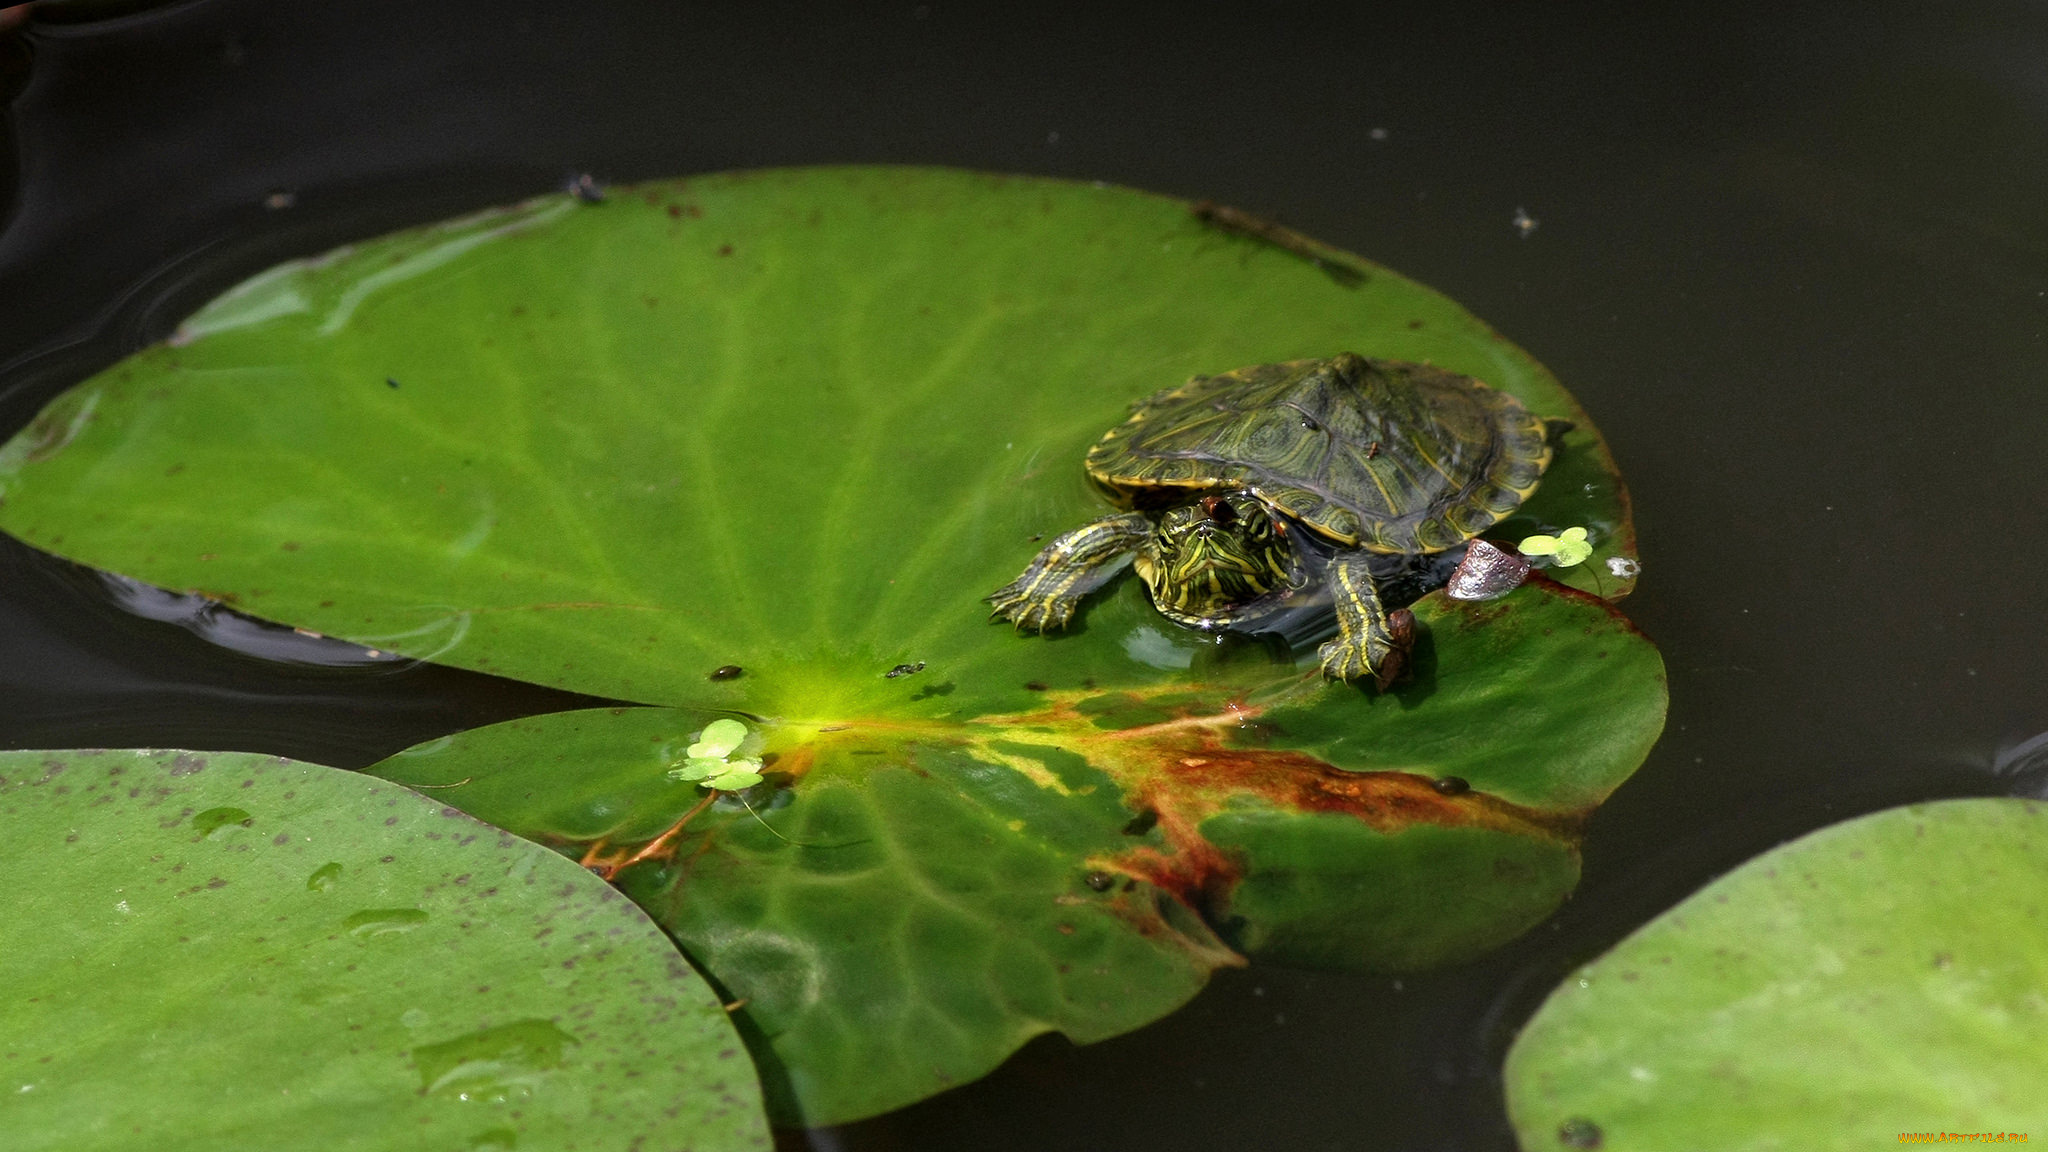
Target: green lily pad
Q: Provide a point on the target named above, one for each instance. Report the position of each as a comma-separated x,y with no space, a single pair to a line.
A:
230,950
1875,982
756,446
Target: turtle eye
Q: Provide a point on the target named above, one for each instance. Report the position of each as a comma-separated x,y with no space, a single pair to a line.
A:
1218,509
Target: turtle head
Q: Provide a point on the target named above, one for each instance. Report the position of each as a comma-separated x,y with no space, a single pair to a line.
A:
1214,562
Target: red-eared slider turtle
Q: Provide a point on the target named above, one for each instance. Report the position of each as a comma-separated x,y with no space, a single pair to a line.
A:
1247,488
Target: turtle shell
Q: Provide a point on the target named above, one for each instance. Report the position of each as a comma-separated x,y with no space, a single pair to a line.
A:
1377,454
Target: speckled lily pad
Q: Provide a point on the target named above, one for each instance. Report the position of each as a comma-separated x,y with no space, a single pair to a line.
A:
1877,982
209,951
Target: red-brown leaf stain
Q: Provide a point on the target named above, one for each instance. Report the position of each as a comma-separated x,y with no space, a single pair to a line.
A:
1184,770
1186,774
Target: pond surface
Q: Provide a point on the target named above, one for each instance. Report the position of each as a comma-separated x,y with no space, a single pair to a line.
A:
1791,260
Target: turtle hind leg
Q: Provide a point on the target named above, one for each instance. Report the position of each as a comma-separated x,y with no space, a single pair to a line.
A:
1369,641
1073,565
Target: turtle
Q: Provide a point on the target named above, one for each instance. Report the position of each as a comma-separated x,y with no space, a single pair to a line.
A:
1244,493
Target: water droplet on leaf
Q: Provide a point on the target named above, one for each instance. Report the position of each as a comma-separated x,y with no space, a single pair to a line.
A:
214,819
324,877
1579,1132
383,921
493,1064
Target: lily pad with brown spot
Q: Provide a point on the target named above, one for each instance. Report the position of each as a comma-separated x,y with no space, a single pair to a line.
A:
906,901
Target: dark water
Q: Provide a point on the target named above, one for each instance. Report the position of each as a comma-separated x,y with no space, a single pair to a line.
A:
1793,258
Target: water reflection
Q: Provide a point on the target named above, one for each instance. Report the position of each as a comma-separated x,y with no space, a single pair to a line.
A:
2027,761
1155,649
89,658
432,640
217,624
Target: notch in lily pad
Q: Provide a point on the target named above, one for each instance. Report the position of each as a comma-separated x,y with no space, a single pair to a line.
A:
715,760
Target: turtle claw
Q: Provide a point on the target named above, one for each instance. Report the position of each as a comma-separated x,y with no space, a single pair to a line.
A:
1076,563
1343,661
1031,614
1380,655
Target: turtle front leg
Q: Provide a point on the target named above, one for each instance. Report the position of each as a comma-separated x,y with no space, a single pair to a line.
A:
1369,642
1073,565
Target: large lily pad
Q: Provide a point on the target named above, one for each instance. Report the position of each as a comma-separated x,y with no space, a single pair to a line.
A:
800,423
229,950
1878,981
